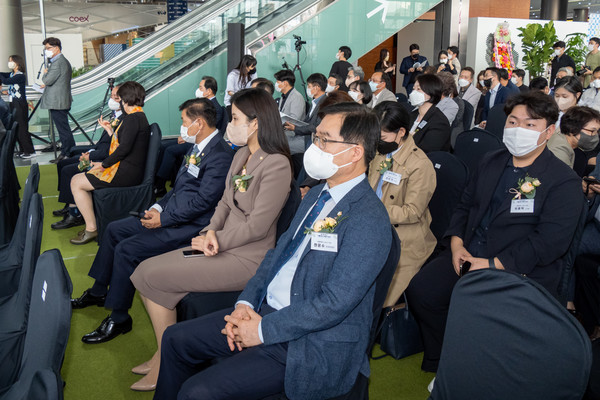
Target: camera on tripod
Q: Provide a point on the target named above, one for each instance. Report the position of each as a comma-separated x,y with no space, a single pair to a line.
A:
299,42
111,83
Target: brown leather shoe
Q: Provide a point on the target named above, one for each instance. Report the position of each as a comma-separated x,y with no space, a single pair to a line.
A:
85,237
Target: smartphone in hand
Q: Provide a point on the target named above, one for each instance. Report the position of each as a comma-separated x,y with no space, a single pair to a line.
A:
192,253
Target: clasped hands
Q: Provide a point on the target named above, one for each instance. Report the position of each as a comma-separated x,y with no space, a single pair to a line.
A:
241,328
151,219
207,244
460,255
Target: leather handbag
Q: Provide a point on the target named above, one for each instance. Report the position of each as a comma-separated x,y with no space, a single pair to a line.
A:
400,334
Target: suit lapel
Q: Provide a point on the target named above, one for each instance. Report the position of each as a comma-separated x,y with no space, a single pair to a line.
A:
258,156
491,181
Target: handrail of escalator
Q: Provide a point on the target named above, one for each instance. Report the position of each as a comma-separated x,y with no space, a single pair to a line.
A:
151,45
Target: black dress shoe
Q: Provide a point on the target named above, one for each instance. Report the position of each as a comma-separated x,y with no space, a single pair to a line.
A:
107,330
160,191
62,212
88,299
59,158
68,222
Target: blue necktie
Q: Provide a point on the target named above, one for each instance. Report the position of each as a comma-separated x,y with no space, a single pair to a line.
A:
379,191
308,222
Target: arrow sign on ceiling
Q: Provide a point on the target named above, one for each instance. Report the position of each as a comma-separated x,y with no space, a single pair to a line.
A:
383,6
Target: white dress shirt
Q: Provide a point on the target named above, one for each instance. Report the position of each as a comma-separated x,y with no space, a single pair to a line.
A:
198,148
493,93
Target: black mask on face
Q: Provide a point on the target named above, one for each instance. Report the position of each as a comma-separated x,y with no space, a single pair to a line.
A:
384,147
487,83
415,56
252,71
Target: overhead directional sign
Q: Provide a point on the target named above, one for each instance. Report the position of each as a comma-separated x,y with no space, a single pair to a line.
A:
383,6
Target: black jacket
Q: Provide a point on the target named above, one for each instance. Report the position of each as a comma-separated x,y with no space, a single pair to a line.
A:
433,133
531,244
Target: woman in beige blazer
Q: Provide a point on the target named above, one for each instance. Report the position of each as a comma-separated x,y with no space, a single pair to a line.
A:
404,179
241,231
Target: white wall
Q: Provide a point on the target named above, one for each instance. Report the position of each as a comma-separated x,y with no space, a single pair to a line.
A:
480,28
420,32
72,48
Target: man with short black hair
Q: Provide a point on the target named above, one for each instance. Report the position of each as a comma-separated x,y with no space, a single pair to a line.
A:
303,301
496,94
507,83
540,84
341,66
57,94
412,66
208,89
453,58
592,60
518,75
264,84
560,59
334,82
519,212
169,224
292,102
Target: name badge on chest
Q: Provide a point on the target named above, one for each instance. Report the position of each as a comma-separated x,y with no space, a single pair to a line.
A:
193,170
323,241
392,177
521,206
422,124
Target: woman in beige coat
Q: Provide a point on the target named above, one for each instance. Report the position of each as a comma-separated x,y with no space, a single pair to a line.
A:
404,179
241,231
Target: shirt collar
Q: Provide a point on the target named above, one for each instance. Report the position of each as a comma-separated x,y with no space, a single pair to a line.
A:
55,57
338,192
495,89
200,146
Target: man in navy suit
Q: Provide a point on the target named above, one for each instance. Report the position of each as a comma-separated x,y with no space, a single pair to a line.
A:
302,323
497,94
408,68
519,212
169,224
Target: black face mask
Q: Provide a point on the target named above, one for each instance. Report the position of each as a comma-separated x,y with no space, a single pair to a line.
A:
252,71
415,56
487,83
384,147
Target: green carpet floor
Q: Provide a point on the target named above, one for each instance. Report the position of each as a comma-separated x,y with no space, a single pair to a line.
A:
94,372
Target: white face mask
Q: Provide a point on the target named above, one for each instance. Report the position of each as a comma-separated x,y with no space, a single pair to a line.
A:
354,95
12,65
309,93
513,80
595,84
329,89
463,82
416,98
183,131
277,88
591,47
563,103
337,56
113,104
199,93
557,52
319,164
48,53
238,134
521,141
443,60
482,82
450,56
373,86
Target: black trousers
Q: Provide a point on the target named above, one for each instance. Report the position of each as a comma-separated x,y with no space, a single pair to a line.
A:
23,136
125,244
587,293
253,373
61,121
67,169
171,151
429,294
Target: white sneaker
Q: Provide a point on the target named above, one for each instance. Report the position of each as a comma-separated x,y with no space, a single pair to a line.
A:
430,386
27,156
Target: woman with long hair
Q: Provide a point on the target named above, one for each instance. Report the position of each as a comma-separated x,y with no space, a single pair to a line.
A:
240,77
241,231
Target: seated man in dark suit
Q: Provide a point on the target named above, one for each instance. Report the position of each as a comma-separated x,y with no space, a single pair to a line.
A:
172,149
302,323
496,94
508,83
169,224
519,212
68,167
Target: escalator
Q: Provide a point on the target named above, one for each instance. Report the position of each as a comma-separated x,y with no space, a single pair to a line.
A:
170,62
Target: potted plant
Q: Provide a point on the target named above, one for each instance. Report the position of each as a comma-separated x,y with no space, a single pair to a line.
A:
537,41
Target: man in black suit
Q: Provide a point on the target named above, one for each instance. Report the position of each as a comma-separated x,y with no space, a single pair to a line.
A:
560,60
169,224
68,167
508,83
518,212
496,94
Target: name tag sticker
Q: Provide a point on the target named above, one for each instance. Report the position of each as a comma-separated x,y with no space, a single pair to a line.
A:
422,124
476,139
193,170
323,241
392,177
521,206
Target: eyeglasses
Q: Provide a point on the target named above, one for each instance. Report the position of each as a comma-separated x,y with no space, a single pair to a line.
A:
322,142
592,132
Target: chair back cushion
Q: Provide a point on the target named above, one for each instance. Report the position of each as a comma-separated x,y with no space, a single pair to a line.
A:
471,146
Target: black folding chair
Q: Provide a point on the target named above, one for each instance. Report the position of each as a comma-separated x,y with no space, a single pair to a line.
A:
471,146
47,332
9,186
14,308
496,120
111,204
569,257
468,115
11,254
508,338
451,177
401,98
197,304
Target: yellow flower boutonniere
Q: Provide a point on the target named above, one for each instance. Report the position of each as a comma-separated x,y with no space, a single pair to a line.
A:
241,182
326,225
525,187
115,122
84,165
385,165
192,159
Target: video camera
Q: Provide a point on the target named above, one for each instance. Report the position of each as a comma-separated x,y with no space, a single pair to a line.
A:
299,42
582,70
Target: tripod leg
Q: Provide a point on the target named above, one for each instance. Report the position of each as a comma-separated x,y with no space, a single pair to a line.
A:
81,129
